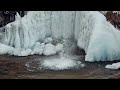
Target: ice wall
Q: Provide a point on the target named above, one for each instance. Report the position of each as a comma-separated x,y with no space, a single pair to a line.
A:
97,37
37,25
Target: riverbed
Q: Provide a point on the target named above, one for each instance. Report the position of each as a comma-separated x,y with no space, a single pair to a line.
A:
12,67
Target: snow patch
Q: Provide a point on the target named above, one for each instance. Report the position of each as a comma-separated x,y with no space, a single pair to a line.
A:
113,66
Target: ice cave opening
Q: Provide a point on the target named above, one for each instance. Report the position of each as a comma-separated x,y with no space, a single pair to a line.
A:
60,32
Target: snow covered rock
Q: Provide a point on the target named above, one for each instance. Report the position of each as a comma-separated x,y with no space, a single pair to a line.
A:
49,49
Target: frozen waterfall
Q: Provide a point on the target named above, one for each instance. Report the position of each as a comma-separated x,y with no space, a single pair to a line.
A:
89,29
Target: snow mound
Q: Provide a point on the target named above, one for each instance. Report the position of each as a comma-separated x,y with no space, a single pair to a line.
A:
114,66
60,63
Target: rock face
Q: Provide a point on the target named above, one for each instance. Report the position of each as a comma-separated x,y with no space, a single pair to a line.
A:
9,16
89,29
114,18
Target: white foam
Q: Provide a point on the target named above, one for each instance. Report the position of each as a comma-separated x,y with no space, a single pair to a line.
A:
60,63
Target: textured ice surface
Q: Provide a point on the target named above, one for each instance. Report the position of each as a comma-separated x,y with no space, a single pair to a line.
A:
38,48
97,37
38,26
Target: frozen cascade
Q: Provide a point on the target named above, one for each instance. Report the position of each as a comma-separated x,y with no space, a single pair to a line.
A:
89,29
36,26
23,33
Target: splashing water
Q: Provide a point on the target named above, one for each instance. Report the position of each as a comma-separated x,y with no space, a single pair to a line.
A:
63,61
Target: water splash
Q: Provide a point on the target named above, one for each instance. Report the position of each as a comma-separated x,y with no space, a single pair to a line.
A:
63,61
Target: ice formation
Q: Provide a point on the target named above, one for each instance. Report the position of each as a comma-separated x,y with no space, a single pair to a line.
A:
41,27
35,32
97,37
